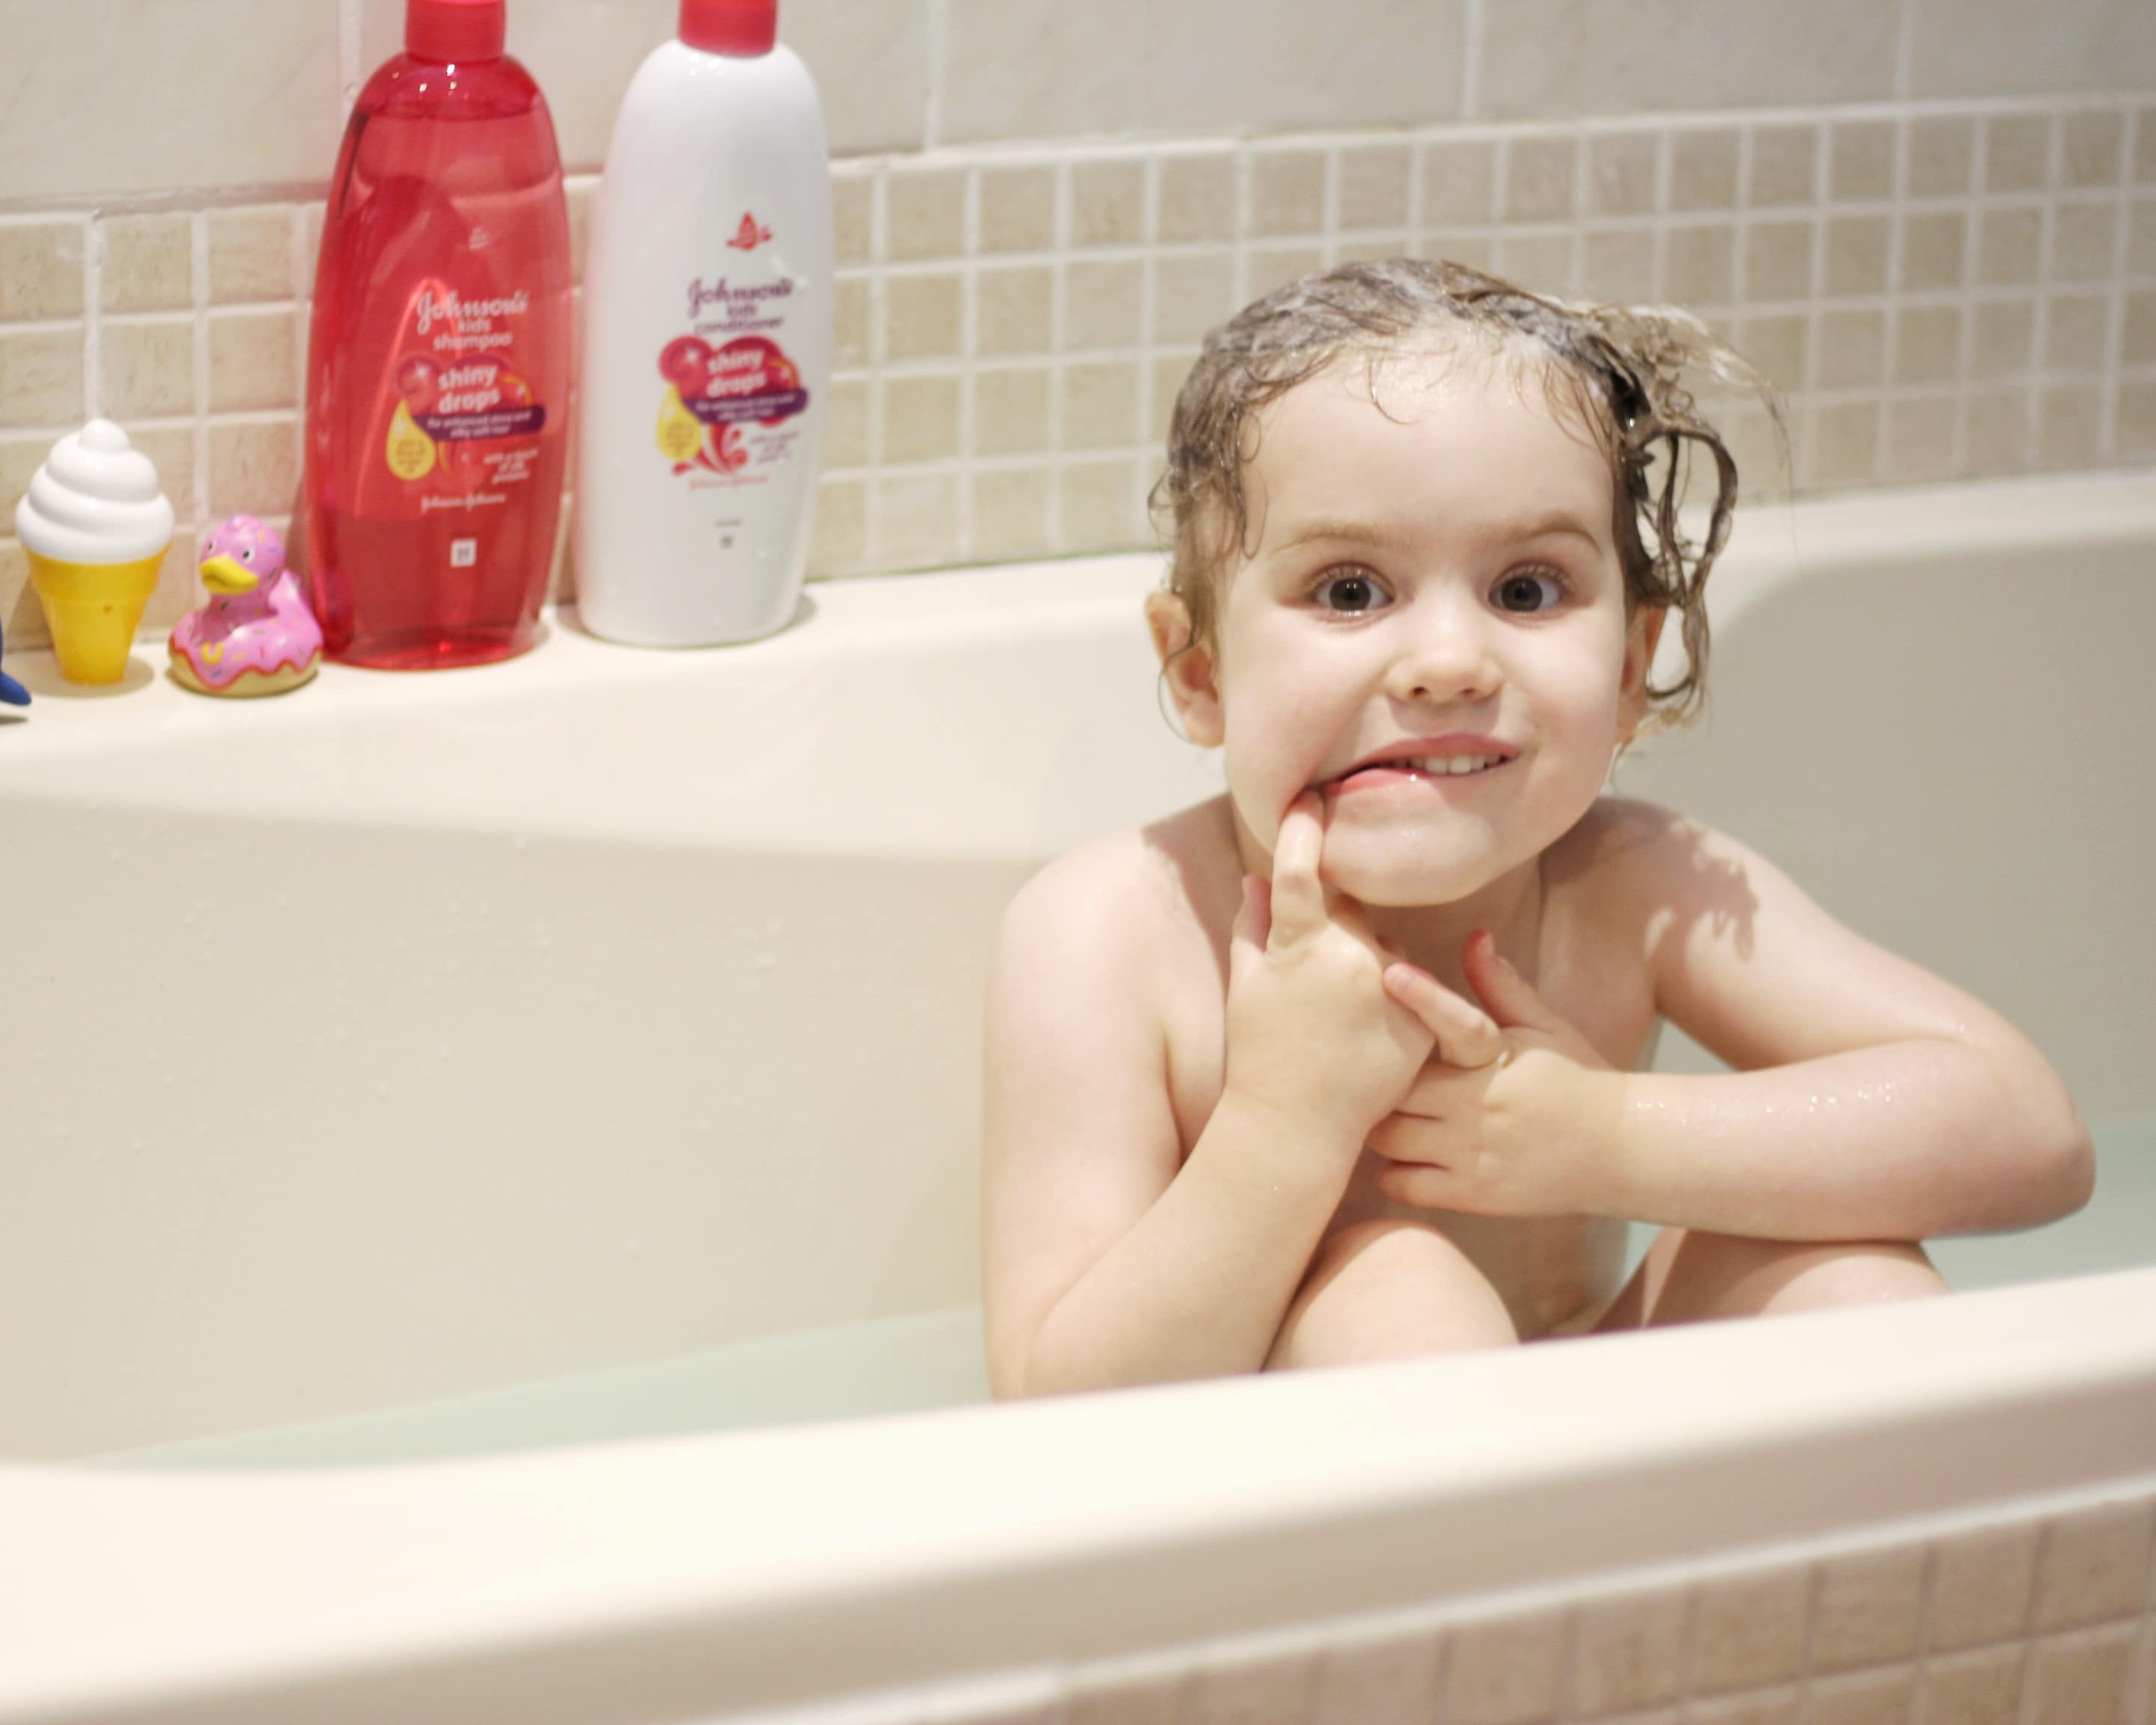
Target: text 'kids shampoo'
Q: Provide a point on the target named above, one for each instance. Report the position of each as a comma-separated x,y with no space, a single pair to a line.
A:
708,330
437,369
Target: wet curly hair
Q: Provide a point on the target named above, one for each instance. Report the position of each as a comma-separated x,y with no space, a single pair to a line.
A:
1620,371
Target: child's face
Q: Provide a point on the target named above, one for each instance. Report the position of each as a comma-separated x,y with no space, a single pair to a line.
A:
1436,585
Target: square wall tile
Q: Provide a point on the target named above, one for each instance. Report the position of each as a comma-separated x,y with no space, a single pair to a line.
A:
250,254
1941,155
1508,1672
1983,1688
2083,1680
1920,439
1013,308
2094,1565
2092,153
916,521
1785,166
1010,513
1990,48
253,361
1459,184
925,212
146,262
1703,168
1870,1698
1542,57
146,366
253,467
1101,404
1103,303
1390,1681
921,316
2069,426
1107,202
1540,176
1861,162
1010,411
919,419
1273,1690
1197,197
1628,1653
1867,1610
1017,208
1374,186
2017,153
41,376
41,267
1029,68
108,100
1102,505
1934,250
1287,190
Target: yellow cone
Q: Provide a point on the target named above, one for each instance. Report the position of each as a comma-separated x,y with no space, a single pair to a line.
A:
93,610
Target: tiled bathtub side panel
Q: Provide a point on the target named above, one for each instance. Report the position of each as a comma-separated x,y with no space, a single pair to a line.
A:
2048,1619
1939,291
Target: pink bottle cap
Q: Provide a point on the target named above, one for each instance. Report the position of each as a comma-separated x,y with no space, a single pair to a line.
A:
735,27
455,30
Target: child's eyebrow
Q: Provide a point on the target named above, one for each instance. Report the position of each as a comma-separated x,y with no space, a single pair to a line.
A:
1552,524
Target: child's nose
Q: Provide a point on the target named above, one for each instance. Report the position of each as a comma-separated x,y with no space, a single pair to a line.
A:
1449,658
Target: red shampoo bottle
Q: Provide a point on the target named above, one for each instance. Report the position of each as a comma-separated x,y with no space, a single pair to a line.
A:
438,369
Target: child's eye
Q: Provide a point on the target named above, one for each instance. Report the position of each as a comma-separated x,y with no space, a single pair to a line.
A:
1526,591
1350,590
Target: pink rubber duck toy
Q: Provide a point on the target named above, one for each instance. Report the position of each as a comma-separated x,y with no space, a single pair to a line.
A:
256,635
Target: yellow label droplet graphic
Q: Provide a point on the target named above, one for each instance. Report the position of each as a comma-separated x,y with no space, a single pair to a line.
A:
680,434
410,451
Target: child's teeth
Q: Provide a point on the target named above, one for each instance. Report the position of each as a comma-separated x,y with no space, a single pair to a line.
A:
1435,764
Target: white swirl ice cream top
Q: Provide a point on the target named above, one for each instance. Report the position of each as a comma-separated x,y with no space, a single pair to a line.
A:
94,501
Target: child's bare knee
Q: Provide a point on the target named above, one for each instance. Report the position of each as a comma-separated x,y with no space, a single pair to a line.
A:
1712,1275
1389,1289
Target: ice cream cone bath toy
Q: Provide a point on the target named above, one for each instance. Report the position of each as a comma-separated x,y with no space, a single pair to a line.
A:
96,527
256,635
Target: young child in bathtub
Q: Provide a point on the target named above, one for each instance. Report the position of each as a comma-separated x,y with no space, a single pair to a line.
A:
1342,1065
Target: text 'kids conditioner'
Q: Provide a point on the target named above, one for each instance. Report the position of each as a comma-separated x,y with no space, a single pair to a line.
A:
708,362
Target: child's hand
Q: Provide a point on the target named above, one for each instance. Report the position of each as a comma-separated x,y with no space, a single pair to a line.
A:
1521,1134
1312,1032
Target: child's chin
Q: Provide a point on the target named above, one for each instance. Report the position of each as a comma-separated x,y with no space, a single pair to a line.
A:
1401,875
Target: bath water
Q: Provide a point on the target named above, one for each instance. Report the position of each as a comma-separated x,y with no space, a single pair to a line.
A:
934,1359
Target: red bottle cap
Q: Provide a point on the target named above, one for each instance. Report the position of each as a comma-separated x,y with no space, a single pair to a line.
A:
456,30
735,27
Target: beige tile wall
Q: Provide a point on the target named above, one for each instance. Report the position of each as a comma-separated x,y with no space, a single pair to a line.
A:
2030,1618
1946,277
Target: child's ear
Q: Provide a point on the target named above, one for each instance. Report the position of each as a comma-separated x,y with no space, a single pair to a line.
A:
1640,634
1186,666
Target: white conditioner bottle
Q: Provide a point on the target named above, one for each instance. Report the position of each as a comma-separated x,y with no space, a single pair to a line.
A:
707,367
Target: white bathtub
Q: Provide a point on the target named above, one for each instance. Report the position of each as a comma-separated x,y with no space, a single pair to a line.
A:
411,1040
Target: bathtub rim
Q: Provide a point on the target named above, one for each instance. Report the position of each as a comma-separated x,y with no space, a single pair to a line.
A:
673,1566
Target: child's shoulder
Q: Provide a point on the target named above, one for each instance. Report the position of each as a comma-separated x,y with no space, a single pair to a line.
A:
1144,890
1626,851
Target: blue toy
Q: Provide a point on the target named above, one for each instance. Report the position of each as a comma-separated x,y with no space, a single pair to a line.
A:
12,692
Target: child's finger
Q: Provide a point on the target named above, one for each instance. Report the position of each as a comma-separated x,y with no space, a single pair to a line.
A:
1466,1035
1298,899
1246,939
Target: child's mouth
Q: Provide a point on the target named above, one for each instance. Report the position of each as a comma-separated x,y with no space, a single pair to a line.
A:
1421,766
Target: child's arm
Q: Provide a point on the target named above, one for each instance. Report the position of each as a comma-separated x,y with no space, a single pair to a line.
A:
1872,1101
1106,1263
